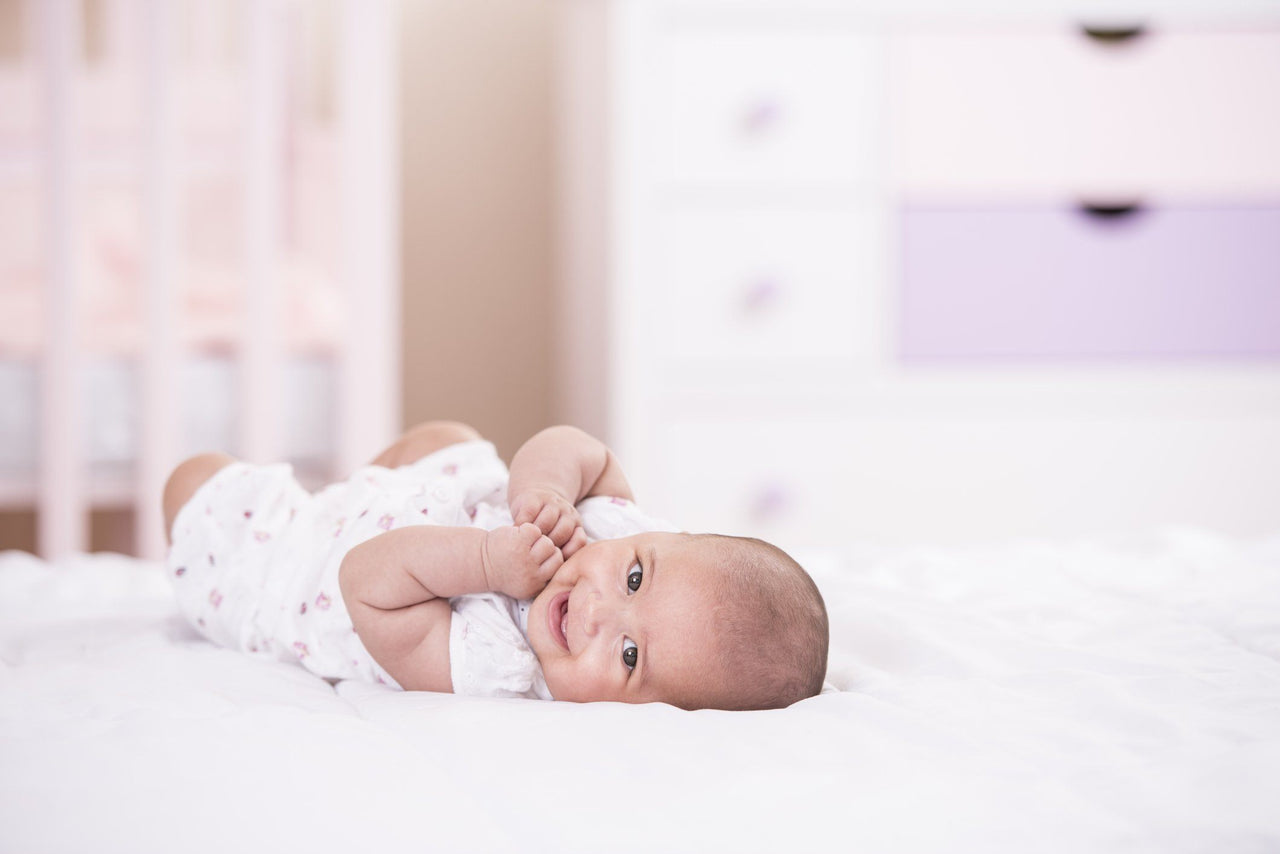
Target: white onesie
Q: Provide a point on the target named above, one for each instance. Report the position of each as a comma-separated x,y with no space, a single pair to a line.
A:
255,560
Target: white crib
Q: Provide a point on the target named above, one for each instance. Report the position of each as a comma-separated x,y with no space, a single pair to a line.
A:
175,96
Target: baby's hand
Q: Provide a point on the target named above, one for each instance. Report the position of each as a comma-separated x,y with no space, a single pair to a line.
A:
554,516
519,560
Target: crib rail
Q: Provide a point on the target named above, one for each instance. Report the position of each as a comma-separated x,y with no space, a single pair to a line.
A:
369,374
367,407
62,521
162,225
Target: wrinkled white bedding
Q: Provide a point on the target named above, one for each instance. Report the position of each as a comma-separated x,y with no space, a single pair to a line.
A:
1030,697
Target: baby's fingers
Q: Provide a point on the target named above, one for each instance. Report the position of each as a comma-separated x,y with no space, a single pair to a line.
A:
550,566
542,548
563,530
527,512
547,558
576,541
546,518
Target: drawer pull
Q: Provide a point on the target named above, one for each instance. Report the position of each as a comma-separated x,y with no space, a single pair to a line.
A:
771,501
760,295
1114,34
1111,209
761,116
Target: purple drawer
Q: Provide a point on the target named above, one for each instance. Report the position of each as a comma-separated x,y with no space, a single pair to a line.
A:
1066,284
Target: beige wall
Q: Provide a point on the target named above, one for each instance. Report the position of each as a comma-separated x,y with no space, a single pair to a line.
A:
477,214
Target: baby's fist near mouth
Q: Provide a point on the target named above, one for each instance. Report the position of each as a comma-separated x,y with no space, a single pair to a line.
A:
519,560
554,515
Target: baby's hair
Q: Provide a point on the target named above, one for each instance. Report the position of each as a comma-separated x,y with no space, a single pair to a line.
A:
772,625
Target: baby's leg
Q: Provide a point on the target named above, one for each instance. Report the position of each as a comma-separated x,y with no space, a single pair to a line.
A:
189,476
426,438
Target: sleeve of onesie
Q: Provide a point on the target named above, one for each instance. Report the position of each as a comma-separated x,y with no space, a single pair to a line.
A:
608,518
488,655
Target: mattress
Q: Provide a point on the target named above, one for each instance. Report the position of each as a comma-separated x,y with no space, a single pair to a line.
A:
1046,696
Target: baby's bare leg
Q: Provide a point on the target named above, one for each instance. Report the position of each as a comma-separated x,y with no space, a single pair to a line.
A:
189,476
423,439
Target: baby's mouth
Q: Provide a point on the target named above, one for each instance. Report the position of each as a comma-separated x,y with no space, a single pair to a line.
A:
558,619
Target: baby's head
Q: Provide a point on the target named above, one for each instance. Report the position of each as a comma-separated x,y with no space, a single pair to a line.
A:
695,620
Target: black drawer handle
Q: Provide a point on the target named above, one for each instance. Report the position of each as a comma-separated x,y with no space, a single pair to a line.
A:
1113,34
1111,209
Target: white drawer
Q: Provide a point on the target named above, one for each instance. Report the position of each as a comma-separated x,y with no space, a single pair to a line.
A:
758,106
743,296
1055,112
776,480
958,479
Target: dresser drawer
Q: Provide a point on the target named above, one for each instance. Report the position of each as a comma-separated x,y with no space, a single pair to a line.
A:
751,295
1063,283
1029,112
753,106
768,477
953,478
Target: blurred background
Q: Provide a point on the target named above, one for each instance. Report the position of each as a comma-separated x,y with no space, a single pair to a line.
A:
819,271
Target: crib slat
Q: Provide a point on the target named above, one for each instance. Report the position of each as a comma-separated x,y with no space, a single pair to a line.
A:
369,373
260,376
122,29
62,525
161,192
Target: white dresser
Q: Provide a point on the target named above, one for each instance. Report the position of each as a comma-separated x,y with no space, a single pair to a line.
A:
837,271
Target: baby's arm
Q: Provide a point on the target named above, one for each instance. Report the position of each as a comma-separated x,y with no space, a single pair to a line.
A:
555,470
397,586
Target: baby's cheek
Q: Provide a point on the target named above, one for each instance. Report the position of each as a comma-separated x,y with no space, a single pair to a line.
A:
558,681
566,681
589,683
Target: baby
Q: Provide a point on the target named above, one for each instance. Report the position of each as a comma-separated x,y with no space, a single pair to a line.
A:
433,568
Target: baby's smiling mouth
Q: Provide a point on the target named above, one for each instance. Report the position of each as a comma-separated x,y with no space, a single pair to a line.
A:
558,619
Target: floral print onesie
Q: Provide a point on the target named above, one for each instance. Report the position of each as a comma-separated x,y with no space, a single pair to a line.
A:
255,558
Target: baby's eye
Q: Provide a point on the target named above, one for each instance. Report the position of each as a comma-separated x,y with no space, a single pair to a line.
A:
630,652
634,578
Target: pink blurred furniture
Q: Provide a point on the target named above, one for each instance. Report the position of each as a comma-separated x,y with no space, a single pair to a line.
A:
205,185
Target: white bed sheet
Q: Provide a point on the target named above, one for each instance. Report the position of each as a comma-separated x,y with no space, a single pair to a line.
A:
1104,696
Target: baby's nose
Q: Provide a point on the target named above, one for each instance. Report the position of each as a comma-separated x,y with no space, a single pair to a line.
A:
594,613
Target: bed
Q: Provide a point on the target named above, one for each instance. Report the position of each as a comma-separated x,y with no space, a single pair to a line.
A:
1088,695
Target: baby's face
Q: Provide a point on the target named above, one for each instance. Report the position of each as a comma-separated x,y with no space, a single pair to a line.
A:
630,620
